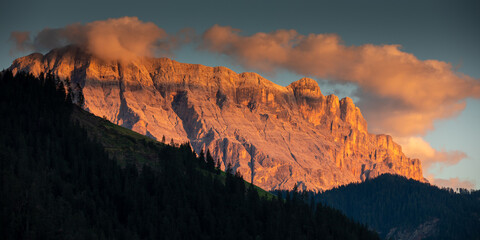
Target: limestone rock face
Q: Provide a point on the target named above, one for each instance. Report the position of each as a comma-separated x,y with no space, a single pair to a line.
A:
275,136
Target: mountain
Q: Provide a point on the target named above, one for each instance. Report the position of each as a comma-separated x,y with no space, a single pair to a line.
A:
61,179
400,208
277,137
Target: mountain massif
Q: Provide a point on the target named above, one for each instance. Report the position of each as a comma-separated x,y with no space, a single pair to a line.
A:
275,136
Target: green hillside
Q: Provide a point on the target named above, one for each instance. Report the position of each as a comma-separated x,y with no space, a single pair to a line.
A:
129,147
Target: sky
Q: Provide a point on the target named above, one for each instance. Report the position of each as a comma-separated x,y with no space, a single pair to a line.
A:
413,67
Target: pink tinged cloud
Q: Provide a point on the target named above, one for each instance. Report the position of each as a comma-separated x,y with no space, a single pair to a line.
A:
416,147
431,158
399,94
453,183
122,39
21,40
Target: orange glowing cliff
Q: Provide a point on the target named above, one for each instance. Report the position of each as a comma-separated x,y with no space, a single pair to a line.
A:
277,136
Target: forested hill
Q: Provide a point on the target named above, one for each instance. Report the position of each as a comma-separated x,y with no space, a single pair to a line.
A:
69,175
406,209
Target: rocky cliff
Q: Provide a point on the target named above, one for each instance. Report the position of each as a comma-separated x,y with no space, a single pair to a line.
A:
275,136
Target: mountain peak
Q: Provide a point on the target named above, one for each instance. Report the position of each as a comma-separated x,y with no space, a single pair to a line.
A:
305,81
306,87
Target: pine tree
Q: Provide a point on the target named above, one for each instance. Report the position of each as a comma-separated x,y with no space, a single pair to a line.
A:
81,97
69,90
210,161
218,166
229,169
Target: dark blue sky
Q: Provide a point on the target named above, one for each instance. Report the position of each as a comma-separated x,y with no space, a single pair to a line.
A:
443,30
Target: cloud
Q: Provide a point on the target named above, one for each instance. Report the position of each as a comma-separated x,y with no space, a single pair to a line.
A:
399,94
453,183
21,41
113,39
416,147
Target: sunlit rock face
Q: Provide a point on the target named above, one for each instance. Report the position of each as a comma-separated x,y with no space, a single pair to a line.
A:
276,136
